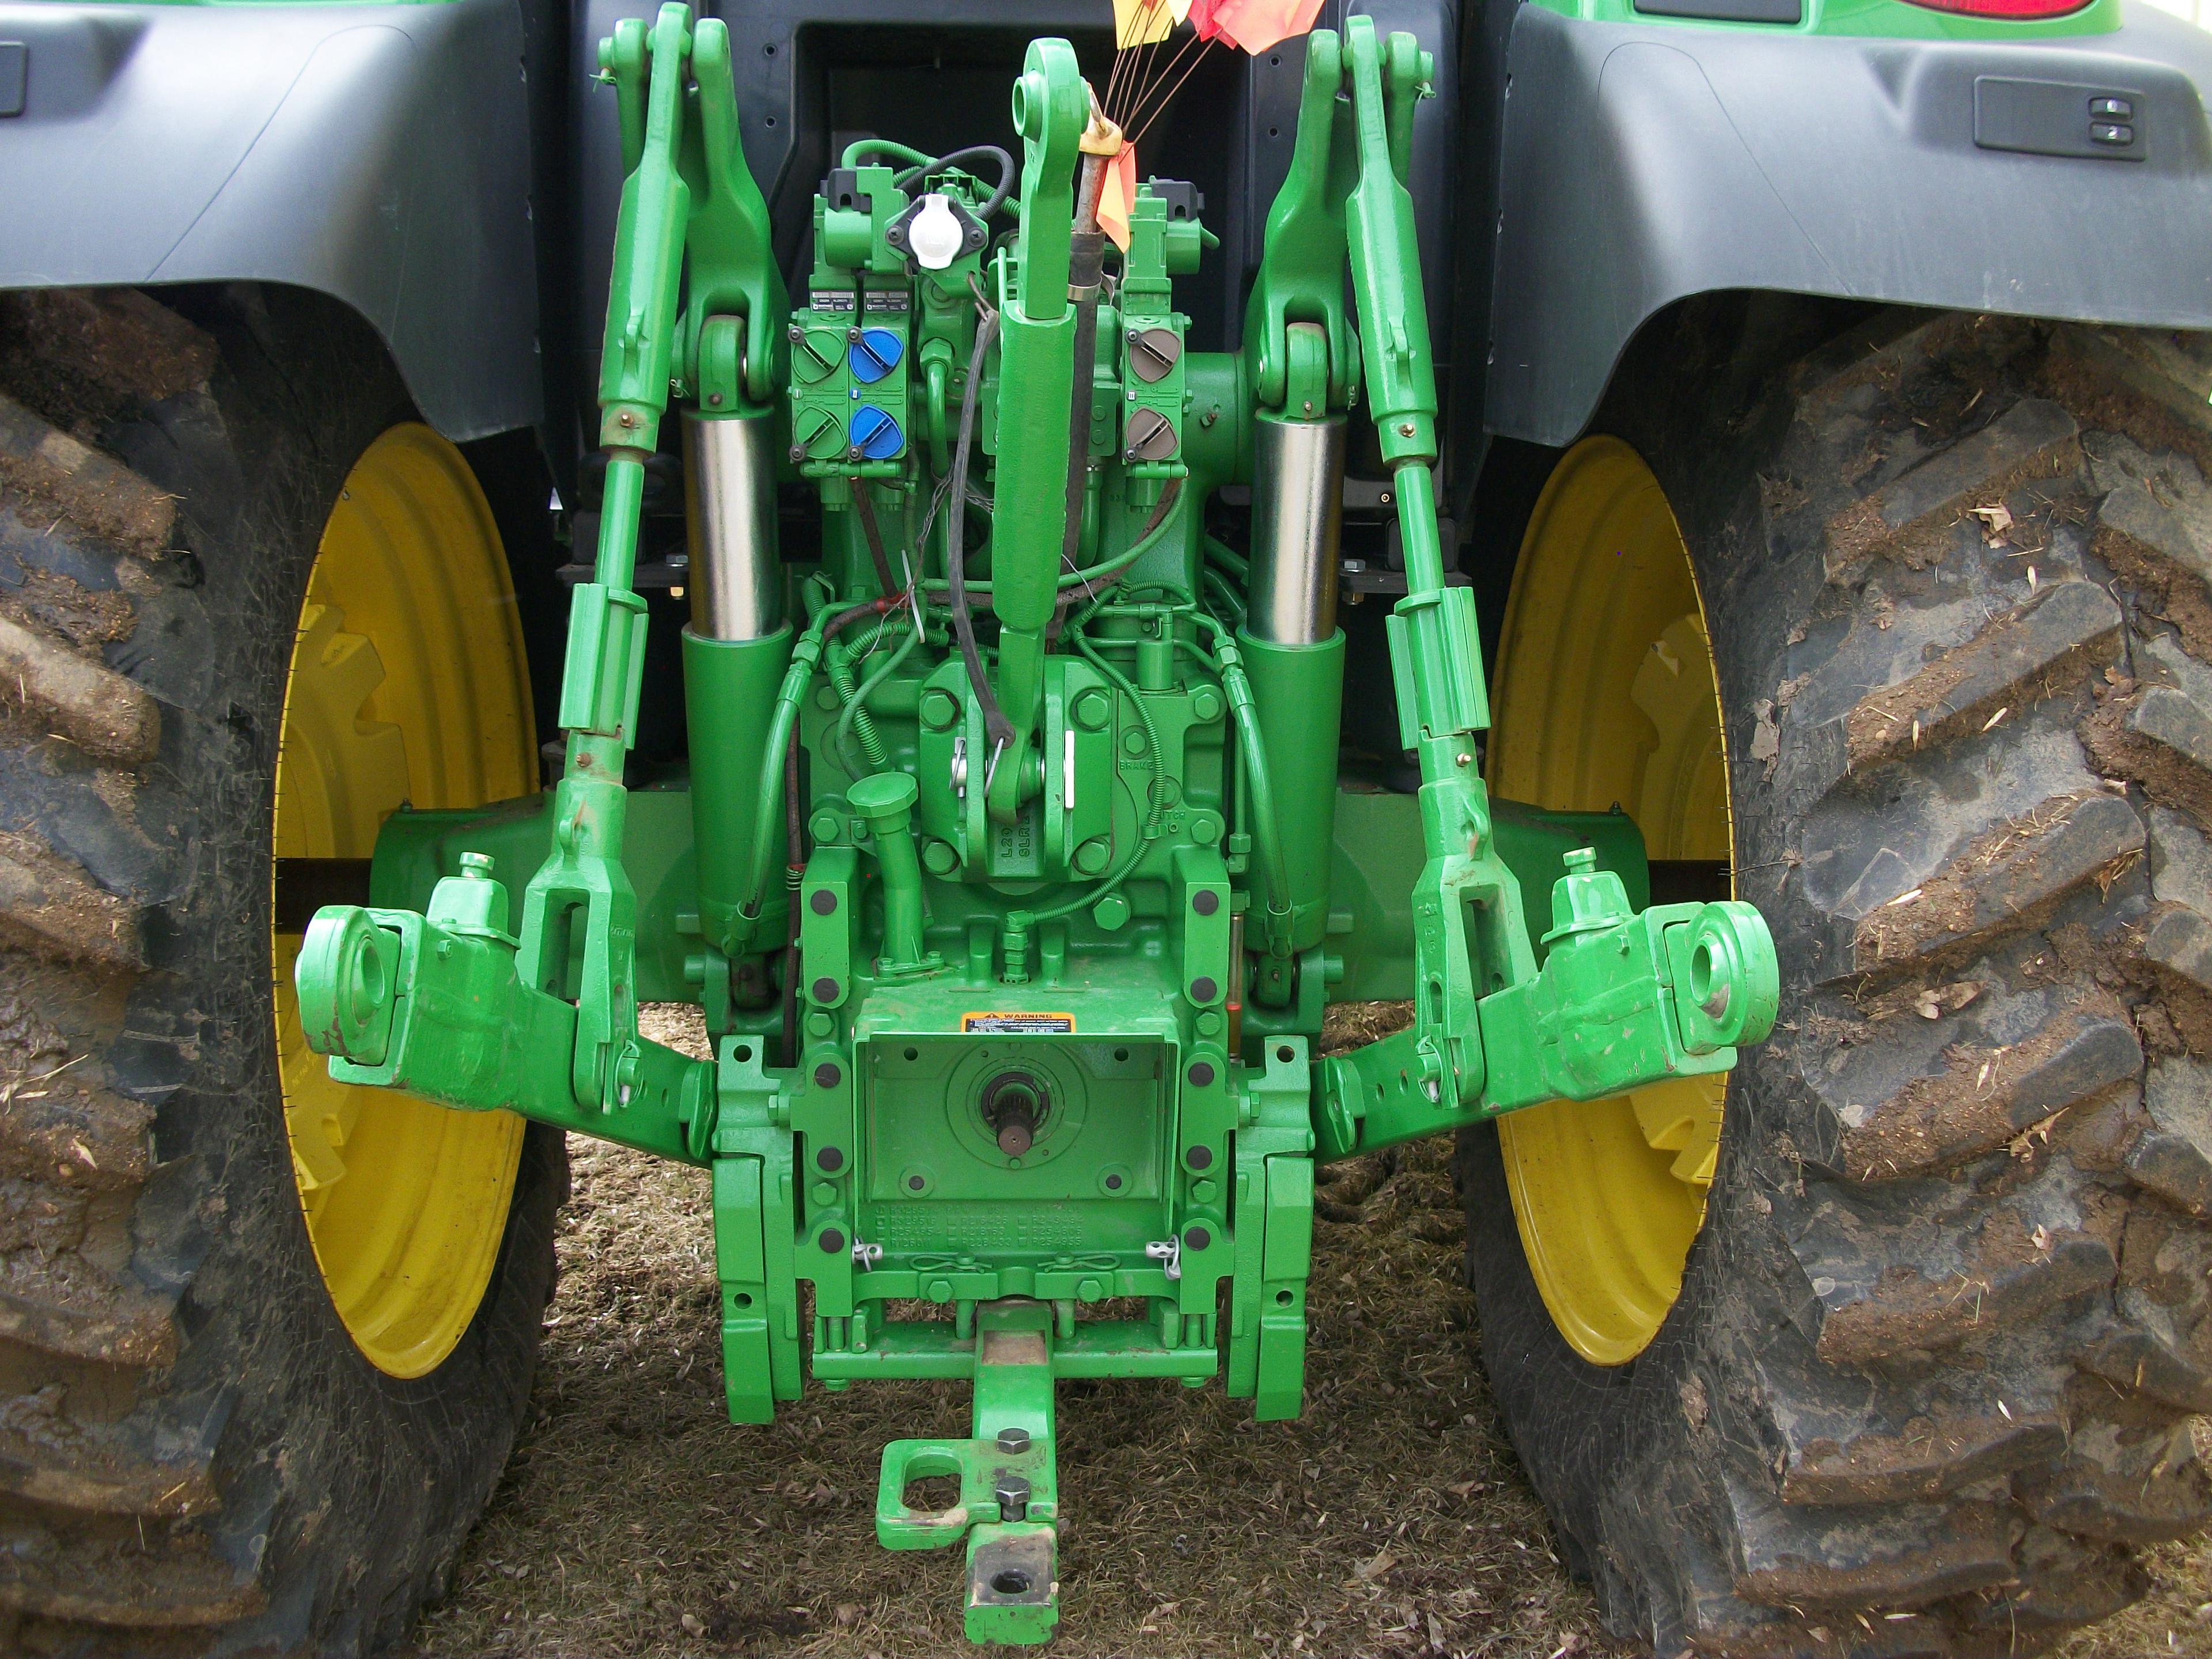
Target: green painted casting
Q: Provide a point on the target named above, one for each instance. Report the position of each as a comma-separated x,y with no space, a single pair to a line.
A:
1023,1020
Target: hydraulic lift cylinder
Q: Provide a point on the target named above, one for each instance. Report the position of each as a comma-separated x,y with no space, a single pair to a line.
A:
729,482
1294,653
1298,518
735,651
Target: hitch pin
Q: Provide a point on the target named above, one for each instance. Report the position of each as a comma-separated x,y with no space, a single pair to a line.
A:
865,1255
1167,1250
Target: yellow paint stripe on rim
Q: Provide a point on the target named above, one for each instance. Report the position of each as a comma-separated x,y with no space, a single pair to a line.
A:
1606,695
408,684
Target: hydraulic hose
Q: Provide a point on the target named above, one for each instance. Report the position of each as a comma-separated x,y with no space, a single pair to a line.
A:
954,158
1267,831
867,510
997,729
855,721
905,154
804,655
1236,564
1154,532
856,718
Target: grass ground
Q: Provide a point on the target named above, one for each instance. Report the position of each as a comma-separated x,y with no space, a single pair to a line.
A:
1391,1519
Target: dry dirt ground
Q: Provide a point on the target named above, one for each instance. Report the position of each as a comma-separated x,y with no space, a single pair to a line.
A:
634,1520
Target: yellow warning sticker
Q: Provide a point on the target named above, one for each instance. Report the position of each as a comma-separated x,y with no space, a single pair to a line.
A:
1018,1025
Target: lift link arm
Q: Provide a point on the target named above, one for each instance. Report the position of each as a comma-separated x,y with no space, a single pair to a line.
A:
446,1005
1036,357
1621,1000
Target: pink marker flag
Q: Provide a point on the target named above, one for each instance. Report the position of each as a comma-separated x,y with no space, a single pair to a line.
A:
1202,14
1117,195
1256,25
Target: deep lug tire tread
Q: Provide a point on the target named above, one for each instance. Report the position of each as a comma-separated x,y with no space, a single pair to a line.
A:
192,1454
1929,1383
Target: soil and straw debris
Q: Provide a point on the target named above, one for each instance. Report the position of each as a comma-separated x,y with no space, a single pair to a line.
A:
634,1520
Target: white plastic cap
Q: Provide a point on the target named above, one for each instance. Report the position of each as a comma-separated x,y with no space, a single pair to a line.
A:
935,234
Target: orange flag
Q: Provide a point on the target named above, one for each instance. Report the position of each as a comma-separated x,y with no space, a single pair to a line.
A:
1256,25
1118,195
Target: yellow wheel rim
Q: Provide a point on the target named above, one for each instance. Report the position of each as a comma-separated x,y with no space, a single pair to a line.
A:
1606,695
408,684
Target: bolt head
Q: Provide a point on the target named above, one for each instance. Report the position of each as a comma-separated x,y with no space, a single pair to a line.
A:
1013,1441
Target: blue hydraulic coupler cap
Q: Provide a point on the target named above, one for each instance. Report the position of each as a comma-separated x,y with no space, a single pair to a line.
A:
875,433
874,355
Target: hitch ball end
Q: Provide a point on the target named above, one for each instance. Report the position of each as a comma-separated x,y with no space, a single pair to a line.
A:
1727,983
348,975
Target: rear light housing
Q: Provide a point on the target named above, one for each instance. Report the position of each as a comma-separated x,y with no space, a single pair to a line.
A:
2008,11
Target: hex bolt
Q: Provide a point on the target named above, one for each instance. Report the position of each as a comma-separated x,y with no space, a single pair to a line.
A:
1013,1442
1012,1492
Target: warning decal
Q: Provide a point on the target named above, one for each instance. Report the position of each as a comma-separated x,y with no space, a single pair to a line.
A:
1019,1024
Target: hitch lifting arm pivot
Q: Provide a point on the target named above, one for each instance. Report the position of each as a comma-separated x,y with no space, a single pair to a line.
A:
447,1005
1621,1000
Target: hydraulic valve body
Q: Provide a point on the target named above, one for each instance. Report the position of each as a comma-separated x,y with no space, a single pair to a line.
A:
1003,865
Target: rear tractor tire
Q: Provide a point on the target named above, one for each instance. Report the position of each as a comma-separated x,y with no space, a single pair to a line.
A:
263,1347
1898,1351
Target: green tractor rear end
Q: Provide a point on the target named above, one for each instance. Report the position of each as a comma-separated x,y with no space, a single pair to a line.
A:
1022,662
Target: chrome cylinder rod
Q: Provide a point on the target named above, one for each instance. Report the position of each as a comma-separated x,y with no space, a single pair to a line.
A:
1298,518
729,482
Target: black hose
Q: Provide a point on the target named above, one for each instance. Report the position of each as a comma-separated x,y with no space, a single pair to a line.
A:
996,726
860,612
866,509
1005,173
